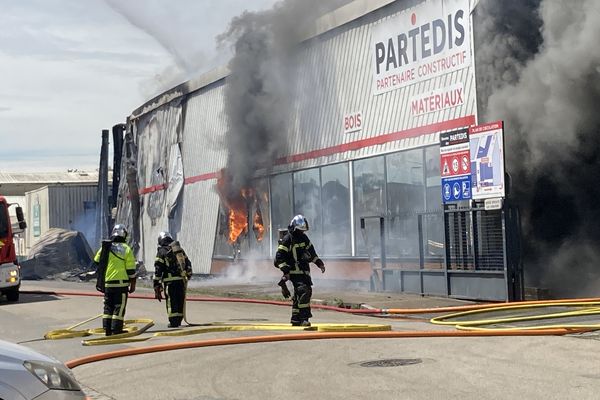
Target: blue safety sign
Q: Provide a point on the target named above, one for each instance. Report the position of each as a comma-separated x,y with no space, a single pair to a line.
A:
456,188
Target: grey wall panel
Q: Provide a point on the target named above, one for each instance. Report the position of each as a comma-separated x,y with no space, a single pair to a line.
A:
199,224
434,283
410,281
67,206
477,286
203,148
203,152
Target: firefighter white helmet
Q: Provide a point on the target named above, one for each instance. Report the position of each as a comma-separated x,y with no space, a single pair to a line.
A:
164,235
119,231
299,222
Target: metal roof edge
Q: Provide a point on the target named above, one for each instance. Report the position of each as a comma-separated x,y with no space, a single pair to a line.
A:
182,89
345,14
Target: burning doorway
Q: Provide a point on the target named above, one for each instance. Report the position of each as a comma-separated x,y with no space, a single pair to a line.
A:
243,225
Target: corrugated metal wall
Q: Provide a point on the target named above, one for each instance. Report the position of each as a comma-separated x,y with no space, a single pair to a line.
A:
67,206
202,151
60,207
335,77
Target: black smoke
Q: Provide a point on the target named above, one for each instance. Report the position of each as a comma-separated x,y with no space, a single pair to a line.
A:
540,63
261,85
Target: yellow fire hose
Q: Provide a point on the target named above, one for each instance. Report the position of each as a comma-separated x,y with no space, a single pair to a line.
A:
132,330
583,309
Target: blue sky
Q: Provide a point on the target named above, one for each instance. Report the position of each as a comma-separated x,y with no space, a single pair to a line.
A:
70,68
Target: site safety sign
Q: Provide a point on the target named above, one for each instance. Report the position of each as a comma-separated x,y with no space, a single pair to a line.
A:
455,166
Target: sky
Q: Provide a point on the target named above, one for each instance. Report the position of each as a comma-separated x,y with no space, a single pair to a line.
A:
70,68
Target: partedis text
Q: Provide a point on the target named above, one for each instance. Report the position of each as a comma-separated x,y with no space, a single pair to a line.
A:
420,43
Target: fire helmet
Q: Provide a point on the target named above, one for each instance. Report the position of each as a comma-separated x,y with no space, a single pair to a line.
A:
119,231
299,222
164,235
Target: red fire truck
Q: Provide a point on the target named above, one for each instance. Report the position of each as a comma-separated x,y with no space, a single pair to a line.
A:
10,279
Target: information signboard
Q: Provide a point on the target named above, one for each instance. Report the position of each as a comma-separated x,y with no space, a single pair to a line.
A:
487,160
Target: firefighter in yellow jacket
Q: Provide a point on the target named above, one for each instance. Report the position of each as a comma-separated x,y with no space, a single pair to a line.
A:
116,278
172,270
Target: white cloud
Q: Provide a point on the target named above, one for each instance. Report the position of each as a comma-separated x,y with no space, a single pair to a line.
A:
70,68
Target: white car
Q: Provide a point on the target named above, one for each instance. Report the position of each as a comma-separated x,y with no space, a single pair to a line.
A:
26,374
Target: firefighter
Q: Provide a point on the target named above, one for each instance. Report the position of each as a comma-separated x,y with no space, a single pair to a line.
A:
294,254
117,278
172,270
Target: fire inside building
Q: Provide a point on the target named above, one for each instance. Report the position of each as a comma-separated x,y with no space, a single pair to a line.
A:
342,123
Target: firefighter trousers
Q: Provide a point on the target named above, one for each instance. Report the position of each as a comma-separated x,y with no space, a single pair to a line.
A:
175,297
301,302
115,301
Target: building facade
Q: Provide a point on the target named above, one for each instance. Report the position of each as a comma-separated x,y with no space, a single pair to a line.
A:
375,83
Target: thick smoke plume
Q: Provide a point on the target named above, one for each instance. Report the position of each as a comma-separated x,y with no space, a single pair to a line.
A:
186,29
260,88
548,94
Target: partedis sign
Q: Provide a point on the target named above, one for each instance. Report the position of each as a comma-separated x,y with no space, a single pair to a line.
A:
421,43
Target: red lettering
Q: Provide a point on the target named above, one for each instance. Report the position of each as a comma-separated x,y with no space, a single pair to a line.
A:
415,107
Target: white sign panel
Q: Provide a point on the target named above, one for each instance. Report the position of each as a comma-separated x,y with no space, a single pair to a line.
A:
353,122
487,160
492,204
421,43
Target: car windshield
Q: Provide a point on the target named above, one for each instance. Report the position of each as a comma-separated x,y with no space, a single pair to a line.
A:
4,221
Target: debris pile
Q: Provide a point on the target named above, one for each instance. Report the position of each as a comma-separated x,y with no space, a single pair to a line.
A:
59,254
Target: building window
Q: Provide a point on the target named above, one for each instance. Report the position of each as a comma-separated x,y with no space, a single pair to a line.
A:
335,195
433,179
281,204
433,223
369,200
405,199
307,201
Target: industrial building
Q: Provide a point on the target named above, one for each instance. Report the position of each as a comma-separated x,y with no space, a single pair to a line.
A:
375,84
50,200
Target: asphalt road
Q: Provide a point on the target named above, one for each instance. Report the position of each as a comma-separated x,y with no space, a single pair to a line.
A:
436,368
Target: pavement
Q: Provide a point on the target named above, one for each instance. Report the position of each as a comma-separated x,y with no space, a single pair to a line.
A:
323,293
473,368
341,296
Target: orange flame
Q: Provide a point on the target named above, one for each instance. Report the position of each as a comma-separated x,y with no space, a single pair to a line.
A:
238,224
237,205
259,228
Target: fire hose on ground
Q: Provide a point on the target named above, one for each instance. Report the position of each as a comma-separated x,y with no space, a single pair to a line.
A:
465,328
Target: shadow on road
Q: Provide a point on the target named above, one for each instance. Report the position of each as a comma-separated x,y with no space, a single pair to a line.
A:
26,298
